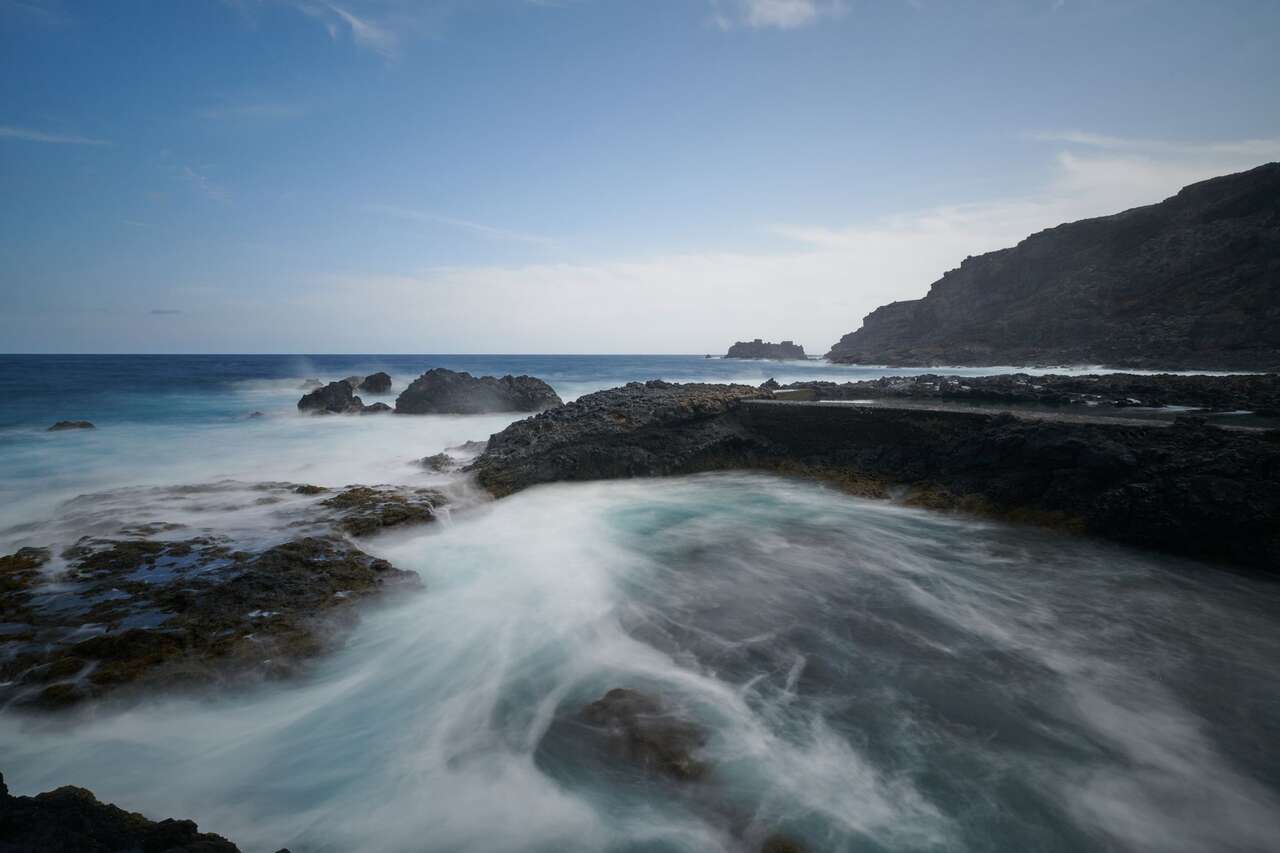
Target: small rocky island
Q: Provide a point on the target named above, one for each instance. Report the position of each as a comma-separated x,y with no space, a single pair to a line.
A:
1189,283
451,392
787,350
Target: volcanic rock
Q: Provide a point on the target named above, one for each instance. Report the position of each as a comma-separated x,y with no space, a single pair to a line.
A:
643,730
640,429
72,820
334,398
441,391
376,383
1186,283
765,349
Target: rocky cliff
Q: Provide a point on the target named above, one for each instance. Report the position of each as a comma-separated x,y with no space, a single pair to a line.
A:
1191,282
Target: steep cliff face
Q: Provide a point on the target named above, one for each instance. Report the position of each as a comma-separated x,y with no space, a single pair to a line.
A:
1191,282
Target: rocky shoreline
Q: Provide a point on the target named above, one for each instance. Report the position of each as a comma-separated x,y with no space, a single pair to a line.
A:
155,604
1188,488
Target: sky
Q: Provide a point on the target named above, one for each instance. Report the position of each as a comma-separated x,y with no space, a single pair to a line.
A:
577,176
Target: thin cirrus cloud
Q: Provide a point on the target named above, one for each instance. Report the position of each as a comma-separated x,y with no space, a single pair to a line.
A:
773,14
26,134
478,228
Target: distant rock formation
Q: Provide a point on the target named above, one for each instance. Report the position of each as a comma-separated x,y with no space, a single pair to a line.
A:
1191,282
60,426
441,391
765,349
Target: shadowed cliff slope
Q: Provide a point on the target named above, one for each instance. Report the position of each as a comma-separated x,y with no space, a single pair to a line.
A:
1191,282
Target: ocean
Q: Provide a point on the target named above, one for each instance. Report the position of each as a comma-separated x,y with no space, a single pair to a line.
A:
872,677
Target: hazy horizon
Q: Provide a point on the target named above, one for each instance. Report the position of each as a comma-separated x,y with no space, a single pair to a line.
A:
577,177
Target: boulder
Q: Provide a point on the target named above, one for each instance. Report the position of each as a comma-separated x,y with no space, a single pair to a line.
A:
439,462
334,398
376,383
65,425
441,391
376,409
641,729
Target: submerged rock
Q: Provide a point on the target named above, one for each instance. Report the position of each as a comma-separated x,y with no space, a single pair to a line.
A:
640,429
334,398
641,729
376,383
365,510
71,820
376,409
65,425
439,462
135,609
441,391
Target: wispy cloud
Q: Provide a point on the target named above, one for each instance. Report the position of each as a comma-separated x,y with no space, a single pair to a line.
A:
27,134
773,14
201,182
464,224
369,34
265,110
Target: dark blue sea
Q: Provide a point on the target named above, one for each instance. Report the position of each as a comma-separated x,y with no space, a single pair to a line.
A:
871,677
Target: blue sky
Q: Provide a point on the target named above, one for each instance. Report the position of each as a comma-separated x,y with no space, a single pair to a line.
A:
581,175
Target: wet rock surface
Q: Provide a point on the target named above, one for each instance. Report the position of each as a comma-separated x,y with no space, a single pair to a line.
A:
72,820
439,462
441,391
1259,393
364,510
375,383
643,730
638,430
334,398
1189,488
159,604
1186,283
62,426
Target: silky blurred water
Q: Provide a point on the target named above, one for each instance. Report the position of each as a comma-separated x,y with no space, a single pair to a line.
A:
871,677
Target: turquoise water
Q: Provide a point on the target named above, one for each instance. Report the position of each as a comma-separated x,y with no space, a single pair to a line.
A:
871,677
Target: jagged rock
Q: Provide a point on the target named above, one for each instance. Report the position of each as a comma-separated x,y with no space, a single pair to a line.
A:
1258,393
334,398
640,429
470,448
765,349
1190,489
441,391
376,383
72,820
439,462
365,510
143,611
643,730
1186,283
65,425
376,409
